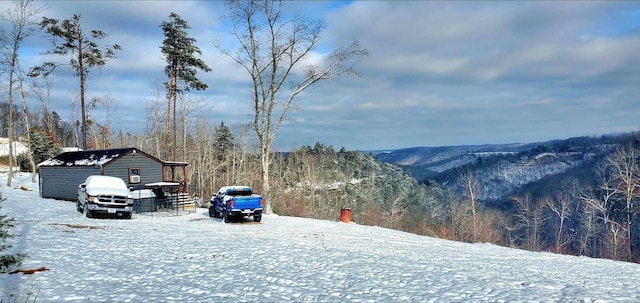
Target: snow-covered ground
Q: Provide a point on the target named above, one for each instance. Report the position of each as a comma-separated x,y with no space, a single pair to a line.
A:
194,258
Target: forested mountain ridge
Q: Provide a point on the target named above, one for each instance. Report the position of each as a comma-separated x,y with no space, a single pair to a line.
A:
504,169
317,181
576,196
436,157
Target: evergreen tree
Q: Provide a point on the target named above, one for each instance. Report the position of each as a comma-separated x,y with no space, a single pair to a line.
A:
69,38
182,65
222,141
42,148
7,260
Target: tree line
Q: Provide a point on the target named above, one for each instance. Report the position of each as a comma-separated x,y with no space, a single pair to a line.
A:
591,210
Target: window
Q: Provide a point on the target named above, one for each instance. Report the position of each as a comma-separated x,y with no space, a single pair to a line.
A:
134,174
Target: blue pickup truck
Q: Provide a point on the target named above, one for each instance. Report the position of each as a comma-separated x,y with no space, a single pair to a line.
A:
236,202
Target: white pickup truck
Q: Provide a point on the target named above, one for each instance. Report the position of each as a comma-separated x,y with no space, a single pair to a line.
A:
105,196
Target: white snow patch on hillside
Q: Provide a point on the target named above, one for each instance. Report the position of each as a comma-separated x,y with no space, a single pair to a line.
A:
194,258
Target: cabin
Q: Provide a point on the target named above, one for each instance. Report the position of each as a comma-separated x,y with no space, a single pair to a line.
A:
61,175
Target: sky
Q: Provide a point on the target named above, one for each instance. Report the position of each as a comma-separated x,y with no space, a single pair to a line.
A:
189,257
438,72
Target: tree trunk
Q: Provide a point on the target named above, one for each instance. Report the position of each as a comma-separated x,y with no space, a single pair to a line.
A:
266,190
167,134
174,143
10,128
28,129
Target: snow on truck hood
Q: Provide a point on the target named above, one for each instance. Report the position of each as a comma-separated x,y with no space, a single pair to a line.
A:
106,185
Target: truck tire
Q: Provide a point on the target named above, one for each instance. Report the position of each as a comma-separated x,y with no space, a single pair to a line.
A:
225,215
257,218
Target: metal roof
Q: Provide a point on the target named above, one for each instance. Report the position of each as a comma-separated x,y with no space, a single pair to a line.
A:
98,157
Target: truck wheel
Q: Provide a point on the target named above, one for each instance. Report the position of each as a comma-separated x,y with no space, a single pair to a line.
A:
225,215
257,218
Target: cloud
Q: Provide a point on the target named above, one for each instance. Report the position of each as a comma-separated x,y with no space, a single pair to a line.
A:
438,72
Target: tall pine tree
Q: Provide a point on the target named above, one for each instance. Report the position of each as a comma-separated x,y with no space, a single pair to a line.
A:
180,52
70,39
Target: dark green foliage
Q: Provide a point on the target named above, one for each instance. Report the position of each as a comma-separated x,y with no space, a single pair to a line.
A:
222,141
7,260
180,53
68,38
320,181
42,148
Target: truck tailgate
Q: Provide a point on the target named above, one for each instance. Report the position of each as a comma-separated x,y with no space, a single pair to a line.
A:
247,202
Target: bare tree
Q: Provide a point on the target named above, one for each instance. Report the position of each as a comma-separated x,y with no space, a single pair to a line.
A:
530,217
203,166
512,236
76,123
90,122
110,104
22,24
624,183
561,206
588,218
472,186
42,92
397,210
273,49
23,95
153,126
188,106
239,157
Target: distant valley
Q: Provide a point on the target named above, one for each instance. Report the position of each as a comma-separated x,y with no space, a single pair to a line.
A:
506,169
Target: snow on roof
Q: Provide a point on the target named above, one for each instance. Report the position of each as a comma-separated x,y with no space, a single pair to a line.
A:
71,149
86,158
98,157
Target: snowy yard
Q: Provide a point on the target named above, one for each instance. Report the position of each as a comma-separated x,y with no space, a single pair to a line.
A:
194,258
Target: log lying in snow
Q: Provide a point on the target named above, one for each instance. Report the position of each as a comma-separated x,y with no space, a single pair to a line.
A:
28,271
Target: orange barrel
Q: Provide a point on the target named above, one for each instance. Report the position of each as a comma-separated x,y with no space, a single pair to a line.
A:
345,215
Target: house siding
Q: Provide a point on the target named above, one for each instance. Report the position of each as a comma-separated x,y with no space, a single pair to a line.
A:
62,182
150,169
